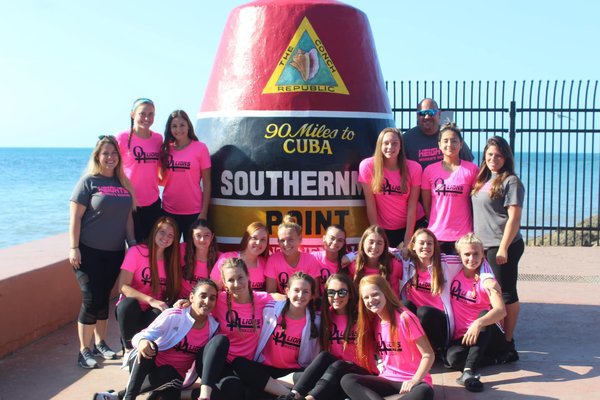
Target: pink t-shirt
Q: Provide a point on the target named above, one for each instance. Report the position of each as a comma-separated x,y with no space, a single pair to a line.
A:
200,272
451,215
392,202
282,348
242,341
137,261
468,299
183,354
326,268
278,269
400,357
257,273
141,164
395,278
336,338
420,294
182,193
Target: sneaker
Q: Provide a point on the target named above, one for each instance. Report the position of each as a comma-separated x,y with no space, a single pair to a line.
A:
125,362
510,354
86,359
104,351
470,381
108,395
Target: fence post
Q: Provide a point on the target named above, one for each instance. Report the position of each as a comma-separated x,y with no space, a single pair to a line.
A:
513,117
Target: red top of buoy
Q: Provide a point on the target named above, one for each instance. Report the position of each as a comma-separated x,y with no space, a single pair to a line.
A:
296,55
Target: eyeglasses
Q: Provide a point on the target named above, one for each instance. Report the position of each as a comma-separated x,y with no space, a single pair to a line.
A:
340,292
431,113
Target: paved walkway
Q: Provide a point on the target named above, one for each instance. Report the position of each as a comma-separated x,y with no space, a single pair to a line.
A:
558,339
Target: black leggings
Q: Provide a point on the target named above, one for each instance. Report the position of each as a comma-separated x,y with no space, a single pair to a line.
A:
448,248
434,322
132,319
396,236
321,379
96,276
369,387
184,221
490,342
506,274
144,218
165,379
255,376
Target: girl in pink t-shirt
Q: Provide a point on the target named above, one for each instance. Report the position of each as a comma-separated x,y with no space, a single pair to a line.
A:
391,186
446,190
321,379
288,340
332,258
477,306
199,254
254,250
185,172
176,348
150,279
140,148
289,259
374,258
405,353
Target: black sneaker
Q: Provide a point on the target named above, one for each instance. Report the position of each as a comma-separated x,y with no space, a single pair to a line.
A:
470,381
86,359
102,350
510,353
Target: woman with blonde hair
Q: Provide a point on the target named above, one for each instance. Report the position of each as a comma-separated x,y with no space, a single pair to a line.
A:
391,185
100,223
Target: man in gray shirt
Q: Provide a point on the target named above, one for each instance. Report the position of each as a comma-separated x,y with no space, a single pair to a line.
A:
421,142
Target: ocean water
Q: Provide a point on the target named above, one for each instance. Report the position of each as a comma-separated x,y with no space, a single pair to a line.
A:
37,185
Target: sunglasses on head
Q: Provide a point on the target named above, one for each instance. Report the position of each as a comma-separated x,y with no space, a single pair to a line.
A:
431,112
105,137
340,292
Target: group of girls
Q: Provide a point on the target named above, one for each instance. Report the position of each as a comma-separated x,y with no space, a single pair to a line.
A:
117,201
457,198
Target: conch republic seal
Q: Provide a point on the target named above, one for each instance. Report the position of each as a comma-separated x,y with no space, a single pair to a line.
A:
294,102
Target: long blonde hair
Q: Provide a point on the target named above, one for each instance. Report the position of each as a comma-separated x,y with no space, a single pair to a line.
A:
378,168
94,167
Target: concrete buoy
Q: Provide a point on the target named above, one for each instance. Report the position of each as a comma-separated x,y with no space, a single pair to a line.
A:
294,102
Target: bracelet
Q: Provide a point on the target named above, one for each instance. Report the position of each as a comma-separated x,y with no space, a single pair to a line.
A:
131,242
73,248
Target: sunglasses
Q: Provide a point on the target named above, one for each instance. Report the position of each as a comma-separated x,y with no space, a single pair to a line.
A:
431,113
340,292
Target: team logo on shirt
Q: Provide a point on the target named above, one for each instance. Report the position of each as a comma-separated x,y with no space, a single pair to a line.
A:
234,321
147,277
282,339
337,336
178,166
185,347
387,347
421,286
462,295
389,189
114,191
283,278
325,274
447,190
142,157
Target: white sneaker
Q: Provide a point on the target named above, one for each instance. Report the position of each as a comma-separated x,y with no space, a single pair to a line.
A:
109,395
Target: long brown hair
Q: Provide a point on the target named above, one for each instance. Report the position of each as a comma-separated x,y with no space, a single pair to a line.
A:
299,275
365,339
351,311
485,174
171,261
385,260
190,250
378,167
136,104
165,149
233,263
437,274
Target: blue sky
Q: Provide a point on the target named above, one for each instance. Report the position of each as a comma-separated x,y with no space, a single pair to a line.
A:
69,70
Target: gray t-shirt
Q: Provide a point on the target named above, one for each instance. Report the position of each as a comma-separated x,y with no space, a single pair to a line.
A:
425,150
107,208
490,215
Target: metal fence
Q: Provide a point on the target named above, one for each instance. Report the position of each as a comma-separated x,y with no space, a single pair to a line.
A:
553,129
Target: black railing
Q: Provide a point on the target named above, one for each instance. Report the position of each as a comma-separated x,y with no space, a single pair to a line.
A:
553,130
